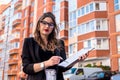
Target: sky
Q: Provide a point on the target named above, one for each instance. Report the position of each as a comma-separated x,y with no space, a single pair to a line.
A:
4,1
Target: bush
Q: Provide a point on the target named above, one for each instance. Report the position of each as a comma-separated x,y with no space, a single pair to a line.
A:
101,66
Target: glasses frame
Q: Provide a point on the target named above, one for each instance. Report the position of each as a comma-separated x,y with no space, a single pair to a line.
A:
51,25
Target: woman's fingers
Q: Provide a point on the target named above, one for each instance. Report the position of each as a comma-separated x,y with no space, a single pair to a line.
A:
83,57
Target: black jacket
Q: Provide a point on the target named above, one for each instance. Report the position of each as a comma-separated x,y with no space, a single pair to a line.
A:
30,55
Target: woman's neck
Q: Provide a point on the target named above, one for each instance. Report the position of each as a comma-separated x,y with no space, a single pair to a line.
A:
44,39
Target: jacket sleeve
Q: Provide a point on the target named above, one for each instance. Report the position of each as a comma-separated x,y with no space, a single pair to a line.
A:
63,55
26,58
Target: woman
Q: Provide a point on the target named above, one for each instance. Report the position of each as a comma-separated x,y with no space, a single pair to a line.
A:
44,51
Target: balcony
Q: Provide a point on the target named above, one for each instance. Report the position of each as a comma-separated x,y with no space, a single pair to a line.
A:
18,4
16,19
3,18
14,51
64,34
12,72
17,11
16,22
16,39
13,61
17,29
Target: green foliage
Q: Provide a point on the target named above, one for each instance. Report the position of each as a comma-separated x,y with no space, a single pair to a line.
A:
101,66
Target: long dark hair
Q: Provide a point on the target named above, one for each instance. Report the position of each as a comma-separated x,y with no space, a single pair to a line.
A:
52,37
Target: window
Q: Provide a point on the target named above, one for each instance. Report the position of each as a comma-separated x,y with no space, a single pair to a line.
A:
44,1
62,26
119,63
87,9
24,24
72,49
24,34
72,19
98,24
102,43
72,5
31,35
118,44
117,22
72,32
16,45
26,3
82,11
101,24
97,6
53,8
44,10
32,14
31,24
91,7
100,6
116,5
25,13
87,43
32,3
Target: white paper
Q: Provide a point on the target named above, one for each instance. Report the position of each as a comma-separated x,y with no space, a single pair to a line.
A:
75,57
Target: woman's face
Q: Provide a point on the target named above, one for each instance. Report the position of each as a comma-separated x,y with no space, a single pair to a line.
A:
46,26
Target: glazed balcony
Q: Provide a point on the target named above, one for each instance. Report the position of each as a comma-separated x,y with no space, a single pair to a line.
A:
12,72
16,22
17,11
14,51
15,39
16,19
13,61
16,29
18,3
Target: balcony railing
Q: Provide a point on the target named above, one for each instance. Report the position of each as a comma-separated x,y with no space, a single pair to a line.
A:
18,3
14,51
17,19
12,72
13,61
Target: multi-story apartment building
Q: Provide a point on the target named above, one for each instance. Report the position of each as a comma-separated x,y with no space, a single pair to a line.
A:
4,40
82,23
114,32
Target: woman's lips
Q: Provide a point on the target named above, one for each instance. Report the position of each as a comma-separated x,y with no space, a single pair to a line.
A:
46,30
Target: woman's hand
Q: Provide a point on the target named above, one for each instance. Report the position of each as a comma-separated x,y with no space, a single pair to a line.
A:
54,60
83,57
22,75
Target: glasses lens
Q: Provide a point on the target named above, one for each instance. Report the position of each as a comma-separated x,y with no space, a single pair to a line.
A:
51,25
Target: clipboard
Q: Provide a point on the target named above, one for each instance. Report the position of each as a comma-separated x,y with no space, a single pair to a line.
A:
73,59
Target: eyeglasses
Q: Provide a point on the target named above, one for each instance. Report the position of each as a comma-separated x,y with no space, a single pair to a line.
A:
51,25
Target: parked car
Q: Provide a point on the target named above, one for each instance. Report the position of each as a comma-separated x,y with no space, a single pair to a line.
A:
116,77
101,75
79,73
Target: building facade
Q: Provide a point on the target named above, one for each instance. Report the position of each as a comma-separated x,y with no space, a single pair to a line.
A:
82,23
